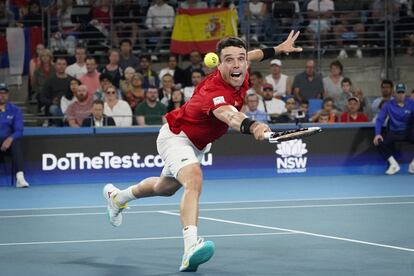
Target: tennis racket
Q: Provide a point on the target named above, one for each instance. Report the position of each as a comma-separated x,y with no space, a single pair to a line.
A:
277,137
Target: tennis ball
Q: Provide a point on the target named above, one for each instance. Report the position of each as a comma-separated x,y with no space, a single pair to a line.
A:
211,60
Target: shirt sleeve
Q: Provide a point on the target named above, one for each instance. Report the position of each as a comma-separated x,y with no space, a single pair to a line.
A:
214,100
17,125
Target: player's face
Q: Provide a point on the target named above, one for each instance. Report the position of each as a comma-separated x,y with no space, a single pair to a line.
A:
4,98
233,65
400,97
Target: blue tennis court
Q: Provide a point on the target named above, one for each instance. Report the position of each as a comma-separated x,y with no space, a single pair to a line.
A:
343,225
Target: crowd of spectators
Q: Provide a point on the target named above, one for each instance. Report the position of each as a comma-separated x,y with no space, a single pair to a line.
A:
134,93
344,24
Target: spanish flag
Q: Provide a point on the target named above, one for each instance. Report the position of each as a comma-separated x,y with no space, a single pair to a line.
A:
201,29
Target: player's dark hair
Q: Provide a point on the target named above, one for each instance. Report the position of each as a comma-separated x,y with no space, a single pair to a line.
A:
230,42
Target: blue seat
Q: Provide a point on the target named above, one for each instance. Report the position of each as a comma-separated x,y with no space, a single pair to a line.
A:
314,106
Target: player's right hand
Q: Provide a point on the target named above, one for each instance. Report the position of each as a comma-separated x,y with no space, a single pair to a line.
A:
377,139
259,131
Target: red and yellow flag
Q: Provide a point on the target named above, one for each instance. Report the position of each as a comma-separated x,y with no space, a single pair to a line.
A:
201,29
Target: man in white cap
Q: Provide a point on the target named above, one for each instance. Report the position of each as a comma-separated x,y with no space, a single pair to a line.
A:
11,130
282,84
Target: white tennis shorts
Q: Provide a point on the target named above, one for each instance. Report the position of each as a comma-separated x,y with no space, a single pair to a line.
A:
177,151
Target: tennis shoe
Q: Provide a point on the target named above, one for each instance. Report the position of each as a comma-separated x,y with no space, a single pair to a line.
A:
198,254
113,209
411,167
392,169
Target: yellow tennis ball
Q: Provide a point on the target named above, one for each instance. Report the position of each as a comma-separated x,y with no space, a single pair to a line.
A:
211,60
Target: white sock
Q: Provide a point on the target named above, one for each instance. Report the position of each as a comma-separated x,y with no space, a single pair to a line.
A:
392,161
190,236
125,196
20,176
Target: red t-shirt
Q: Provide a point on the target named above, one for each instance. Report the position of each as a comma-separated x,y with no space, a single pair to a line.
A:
195,117
346,118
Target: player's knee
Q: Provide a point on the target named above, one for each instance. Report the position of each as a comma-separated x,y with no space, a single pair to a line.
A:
193,184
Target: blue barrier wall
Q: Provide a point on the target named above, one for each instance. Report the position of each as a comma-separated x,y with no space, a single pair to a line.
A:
88,155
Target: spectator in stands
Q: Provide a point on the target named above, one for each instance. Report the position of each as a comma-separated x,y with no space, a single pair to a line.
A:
256,84
145,69
196,77
150,111
136,94
159,22
282,84
196,64
381,11
269,104
105,81
252,111
412,94
102,13
97,118
91,78
400,111
193,4
365,106
174,70
283,17
6,18
64,15
127,19
304,107
127,59
349,26
352,115
113,68
125,83
327,107
308,85
342,101
11,130
176,101
78,68
332,82
62,44
225,4
116,108
42,72
167,87
33,65
70,96
320,13
54,88
255,12
324,118
33,18
81,108
386,91
289,116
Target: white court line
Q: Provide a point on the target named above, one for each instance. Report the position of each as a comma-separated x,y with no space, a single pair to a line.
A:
142,239
297,232
218,209
213,202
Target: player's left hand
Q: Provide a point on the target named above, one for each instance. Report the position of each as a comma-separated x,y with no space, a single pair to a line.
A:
287,46
259,131
6,144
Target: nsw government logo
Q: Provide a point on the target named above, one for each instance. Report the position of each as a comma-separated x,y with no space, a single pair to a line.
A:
291,158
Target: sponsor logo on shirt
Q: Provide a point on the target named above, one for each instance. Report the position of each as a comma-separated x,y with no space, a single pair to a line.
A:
9,117
218,100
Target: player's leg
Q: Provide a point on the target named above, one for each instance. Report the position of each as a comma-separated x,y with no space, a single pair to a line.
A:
18,161
386,149
151,186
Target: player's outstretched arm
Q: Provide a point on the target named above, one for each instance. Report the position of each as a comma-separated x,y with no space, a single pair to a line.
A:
286,46
238,121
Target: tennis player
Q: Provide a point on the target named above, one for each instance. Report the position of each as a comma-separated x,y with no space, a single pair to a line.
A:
213,108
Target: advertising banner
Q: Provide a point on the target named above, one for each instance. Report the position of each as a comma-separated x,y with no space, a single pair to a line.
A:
130,157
